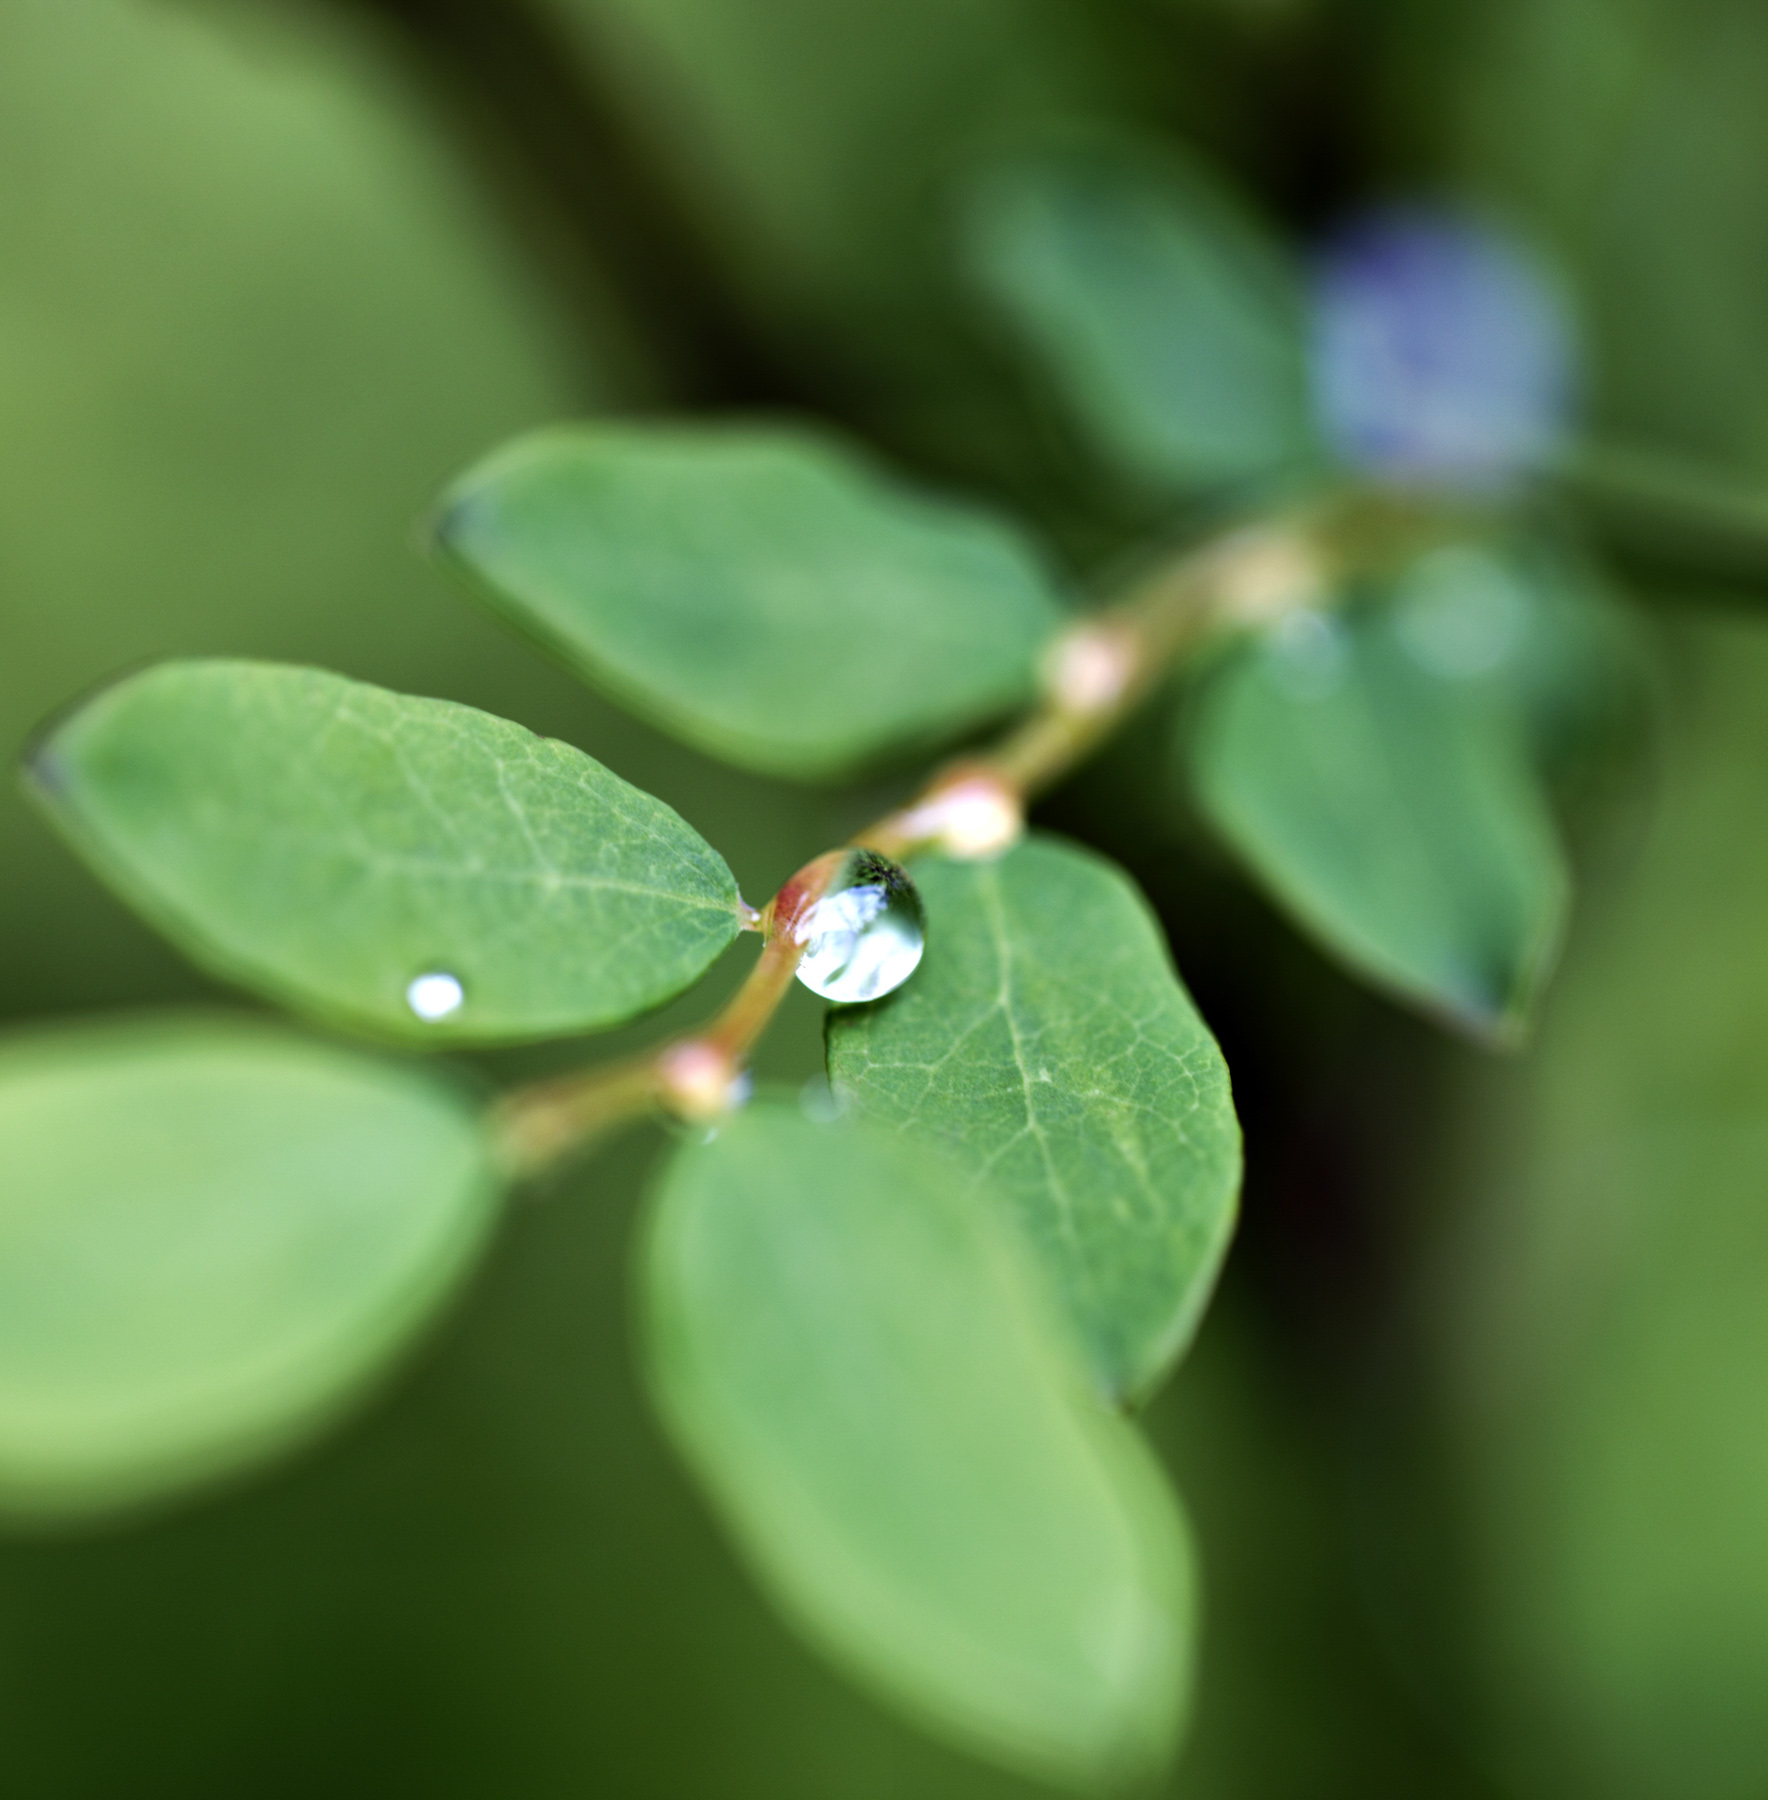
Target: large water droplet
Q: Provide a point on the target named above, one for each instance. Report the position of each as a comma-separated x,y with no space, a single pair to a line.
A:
435,995
864,937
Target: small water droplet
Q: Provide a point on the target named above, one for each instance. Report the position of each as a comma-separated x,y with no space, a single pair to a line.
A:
864,937
1460,613
1309,655
435,995
819,1102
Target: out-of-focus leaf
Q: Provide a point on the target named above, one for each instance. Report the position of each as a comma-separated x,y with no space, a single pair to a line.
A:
333,844
1597,1332
1636,136
1162,311
210,1236
763,594
253,308
1048,1046
1386,798
813,139
853,1358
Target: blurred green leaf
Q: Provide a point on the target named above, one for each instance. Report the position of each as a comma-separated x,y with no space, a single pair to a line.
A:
810,142
1527,620
1596,1320
332,844
766,595
1046,1043
254,308
1384,794
1636,136
1164,312
210,1237
850,1354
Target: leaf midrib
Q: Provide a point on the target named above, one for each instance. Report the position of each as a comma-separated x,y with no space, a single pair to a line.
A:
990,888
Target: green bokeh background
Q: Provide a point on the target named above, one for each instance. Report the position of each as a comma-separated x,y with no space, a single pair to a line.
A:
1474,1438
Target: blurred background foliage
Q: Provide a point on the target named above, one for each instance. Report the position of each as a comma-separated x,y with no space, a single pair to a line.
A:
1474,1435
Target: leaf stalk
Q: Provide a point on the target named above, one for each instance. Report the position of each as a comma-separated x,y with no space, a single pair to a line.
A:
1096,674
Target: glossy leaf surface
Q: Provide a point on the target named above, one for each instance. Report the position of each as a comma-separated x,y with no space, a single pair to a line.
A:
1047,1044
1164,315
850,1353
210,1236
1390,805
331,844
764,594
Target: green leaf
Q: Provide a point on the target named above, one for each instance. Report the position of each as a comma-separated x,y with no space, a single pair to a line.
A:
1164,313
764,594
849,1352
1391,807
211,1235
1598,1351
1635,138
330,843
1048,1046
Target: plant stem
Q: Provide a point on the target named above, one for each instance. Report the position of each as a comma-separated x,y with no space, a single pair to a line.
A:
1097,673
697,1077
536,1126
1697,516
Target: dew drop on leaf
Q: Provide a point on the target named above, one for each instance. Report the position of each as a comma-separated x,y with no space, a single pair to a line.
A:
435,995
864,937
819,1102
1309,656
1460,613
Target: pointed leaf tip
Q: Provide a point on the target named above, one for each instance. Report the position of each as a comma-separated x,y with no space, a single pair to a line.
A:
1047,1045
1394,811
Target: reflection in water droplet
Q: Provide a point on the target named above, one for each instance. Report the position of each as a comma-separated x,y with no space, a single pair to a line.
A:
864,937
435,995
1461,613
1308,654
